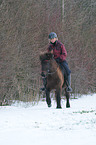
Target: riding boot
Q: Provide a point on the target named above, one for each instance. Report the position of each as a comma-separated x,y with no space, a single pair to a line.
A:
69,89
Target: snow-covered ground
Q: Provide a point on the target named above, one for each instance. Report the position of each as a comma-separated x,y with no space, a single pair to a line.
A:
40,125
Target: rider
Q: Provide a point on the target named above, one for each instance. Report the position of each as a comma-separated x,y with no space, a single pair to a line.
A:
59,53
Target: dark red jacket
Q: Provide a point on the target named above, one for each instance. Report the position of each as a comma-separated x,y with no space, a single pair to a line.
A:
59,50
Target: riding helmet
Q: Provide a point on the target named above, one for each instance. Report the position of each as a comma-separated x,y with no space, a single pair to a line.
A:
52,35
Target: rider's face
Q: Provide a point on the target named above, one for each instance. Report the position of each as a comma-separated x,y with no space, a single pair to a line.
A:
53,40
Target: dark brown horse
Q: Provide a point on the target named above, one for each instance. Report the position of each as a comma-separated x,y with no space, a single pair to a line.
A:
55,79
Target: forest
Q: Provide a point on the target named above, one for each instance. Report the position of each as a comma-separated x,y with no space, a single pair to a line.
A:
24,30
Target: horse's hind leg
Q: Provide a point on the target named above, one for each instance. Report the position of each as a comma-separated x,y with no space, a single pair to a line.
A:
67,99
58,98
48,100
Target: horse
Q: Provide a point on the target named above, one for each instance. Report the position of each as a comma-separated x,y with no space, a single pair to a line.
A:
55,79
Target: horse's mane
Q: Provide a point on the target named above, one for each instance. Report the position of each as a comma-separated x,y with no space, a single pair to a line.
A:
46,55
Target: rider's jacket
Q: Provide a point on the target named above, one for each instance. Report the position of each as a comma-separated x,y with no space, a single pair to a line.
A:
59,50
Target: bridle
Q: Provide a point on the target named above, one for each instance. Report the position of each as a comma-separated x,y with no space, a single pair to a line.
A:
48,72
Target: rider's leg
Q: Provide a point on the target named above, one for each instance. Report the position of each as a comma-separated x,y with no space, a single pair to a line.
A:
68,83
68,78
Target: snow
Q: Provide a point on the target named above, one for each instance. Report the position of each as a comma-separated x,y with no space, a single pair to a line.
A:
40,125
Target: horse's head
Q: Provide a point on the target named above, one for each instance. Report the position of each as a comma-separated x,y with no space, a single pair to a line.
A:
44,58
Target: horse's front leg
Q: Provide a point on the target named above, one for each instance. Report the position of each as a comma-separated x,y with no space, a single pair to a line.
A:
67,99
48,100
58,98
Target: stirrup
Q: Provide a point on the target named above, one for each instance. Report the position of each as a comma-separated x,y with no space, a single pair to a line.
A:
69,89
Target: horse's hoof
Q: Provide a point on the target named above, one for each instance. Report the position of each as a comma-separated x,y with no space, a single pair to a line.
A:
49,105
68,106
58,107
